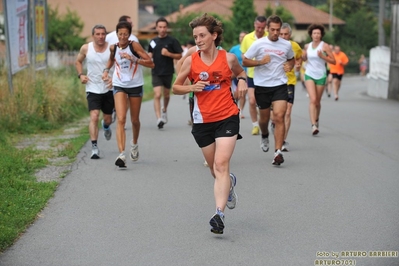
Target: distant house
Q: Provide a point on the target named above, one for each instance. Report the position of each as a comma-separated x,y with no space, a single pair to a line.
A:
303,14
93,12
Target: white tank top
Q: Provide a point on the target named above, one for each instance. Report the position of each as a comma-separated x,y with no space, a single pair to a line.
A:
315,66
95,63
126,74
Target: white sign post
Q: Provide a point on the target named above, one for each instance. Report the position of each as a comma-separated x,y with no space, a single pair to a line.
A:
17,35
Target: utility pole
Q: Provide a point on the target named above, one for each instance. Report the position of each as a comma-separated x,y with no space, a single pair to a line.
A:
331,15
393,88
381,16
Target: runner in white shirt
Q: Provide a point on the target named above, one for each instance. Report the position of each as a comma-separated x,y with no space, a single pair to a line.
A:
112,38
273,57
98,93
127,79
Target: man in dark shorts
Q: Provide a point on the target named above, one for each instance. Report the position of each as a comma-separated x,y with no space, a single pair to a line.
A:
273,58
163,49
285,33
98,93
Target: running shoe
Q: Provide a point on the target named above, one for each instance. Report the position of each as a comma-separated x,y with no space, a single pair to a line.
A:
232,200
134,151
121,161
278,158
264,144
217,222
113,116
107,131
272,127
315,130
164,117
95,152
160,123
255,130
285,146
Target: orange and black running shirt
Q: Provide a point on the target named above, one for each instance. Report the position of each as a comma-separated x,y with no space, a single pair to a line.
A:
216,101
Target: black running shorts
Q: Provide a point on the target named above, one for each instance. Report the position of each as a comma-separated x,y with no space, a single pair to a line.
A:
103,102
266,95
206,133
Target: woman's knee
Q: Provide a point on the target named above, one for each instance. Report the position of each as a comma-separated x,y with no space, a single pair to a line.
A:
135,122
220,165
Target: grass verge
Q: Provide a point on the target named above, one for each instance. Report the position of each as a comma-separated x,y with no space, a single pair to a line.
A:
21,196
39,109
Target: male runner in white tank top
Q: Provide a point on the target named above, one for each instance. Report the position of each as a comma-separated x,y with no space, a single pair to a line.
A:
98,93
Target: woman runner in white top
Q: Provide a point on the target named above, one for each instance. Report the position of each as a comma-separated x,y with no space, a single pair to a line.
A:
316,55
128,81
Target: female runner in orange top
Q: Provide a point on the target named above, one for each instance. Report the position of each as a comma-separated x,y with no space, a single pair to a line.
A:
216,119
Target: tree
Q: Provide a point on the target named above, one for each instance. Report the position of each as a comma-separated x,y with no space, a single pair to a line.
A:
269,11
280,11
181,26
64,31
354,39
243,16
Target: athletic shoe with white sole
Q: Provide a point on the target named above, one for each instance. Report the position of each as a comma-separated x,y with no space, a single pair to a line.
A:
232,200
217,222
272,127
285,146
107,131
134,151
264,144
160,123
164,117
121,161
95,152
278,158
315,130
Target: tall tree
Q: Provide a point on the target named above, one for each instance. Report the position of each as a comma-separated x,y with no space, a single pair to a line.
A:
243,16
354,39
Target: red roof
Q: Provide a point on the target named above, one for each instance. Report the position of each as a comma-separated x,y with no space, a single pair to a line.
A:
302,12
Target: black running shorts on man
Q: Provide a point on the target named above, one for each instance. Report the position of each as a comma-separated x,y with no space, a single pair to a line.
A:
266,95
103,102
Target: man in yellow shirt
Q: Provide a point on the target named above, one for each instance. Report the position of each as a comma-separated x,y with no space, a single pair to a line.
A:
259,32
285,33
338,69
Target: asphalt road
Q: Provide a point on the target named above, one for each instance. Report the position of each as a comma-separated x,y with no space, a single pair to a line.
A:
336,192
